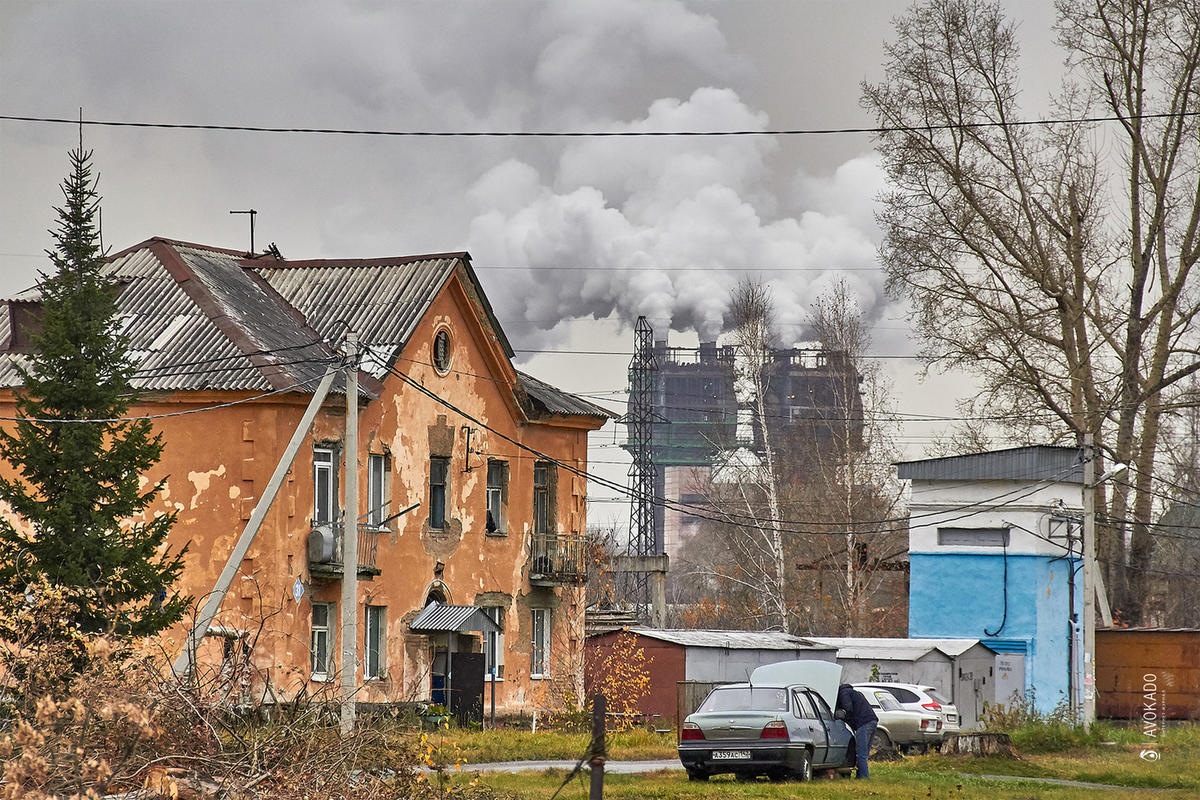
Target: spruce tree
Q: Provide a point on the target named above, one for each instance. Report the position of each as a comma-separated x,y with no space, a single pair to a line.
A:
79,492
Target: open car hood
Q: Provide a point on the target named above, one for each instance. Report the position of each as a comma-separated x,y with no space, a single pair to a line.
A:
822,676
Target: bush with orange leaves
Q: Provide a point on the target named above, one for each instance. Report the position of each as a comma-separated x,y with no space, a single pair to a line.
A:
622,674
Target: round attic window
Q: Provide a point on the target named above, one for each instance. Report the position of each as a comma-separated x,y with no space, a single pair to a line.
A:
441,351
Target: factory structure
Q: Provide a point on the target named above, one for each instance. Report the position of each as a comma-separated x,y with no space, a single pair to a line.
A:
703,427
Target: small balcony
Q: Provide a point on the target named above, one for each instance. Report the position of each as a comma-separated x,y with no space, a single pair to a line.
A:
556,560
325,551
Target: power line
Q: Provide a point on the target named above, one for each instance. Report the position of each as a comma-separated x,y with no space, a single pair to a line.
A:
578,134
700,512
51,420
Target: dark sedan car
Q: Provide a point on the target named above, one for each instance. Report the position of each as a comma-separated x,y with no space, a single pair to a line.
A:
779,725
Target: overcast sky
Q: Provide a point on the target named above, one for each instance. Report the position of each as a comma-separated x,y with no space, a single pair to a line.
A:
693,215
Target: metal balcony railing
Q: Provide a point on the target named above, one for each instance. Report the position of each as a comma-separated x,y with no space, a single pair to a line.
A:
556,559
325,550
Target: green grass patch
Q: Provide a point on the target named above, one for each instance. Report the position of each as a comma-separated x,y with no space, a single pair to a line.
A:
476,746
888,782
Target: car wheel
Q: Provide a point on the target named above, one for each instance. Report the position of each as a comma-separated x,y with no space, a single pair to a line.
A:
805,773
697,775
882,748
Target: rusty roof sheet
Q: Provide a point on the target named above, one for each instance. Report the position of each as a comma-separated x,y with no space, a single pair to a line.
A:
382,299
549,401
198,320
205,318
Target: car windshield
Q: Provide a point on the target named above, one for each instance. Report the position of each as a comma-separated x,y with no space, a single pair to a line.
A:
746,699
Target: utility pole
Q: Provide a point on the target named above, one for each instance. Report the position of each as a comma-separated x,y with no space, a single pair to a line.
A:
350,542
1093,585
1089,582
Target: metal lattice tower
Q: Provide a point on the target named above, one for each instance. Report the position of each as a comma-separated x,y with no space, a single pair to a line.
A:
640,419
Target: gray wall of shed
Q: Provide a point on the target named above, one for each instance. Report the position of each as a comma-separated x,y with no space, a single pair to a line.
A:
968,681
974,683
719,664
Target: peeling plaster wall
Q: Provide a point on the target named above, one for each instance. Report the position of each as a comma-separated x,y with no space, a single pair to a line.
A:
218,462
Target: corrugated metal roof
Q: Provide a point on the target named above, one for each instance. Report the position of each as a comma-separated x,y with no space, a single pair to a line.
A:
733,640
1035,463
892,649
204,318
198,355
442,618
555,402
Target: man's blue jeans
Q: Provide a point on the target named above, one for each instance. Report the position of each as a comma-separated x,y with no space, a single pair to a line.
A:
862,746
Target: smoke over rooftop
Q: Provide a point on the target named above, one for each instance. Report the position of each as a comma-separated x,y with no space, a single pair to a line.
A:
666,227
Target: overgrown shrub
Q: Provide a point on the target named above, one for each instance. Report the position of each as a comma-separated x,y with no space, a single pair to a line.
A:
1037,731
125,722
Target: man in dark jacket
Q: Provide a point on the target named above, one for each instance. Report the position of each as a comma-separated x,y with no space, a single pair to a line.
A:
861,719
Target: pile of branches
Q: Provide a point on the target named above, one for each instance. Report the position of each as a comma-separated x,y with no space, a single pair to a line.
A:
87,716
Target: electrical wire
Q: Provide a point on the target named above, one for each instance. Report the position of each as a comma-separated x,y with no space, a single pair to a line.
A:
113,420
700,511
641,134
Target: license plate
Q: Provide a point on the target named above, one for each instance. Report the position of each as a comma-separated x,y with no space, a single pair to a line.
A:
719,755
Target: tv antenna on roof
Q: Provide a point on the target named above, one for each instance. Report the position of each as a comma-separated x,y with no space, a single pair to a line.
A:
251,212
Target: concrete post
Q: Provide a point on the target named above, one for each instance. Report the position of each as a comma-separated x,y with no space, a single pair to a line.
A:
350,542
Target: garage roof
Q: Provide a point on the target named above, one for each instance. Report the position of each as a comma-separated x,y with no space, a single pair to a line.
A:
888,649
733,640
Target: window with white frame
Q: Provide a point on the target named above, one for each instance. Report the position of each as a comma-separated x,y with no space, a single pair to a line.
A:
321,651
375,640
539,665
325,505
377,488
439,490
497,489
493,645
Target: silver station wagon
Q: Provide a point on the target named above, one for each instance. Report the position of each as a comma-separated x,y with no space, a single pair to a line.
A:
779,724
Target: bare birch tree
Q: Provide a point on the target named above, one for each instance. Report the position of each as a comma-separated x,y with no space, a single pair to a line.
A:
848,482
1053,261
801,533
749,492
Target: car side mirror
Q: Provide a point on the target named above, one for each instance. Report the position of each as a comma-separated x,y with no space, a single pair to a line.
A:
839,714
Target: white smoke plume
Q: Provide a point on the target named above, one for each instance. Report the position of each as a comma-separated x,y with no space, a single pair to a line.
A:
676,222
